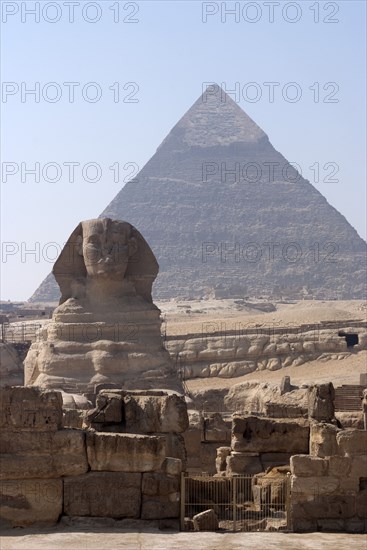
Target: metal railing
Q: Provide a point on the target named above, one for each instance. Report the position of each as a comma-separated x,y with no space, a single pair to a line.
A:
240,502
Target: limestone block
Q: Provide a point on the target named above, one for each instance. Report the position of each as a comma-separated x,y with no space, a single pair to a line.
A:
26,408
321,402
206,521
192,439
349,485
73,418
361,504
269,489
125,452
308,466
259,434
355,525
315,485
339,466
161,496
42,454
221,460
323,439
208,453
216,428
175,448
243,463
352,442
155,413
359,466
30,501
285,385
270,460
331,525
103,494
109,409
172,466
334,506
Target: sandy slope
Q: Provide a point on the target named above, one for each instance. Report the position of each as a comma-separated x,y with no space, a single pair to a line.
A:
192,317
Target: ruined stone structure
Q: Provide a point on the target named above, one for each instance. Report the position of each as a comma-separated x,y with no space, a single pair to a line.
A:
49,472
106,328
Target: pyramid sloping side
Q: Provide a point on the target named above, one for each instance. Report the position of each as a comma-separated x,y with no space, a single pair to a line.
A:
216,185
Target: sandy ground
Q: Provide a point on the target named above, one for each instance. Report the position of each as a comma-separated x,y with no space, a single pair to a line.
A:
62,539
192,317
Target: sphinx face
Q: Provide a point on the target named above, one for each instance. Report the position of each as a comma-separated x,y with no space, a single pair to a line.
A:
106,248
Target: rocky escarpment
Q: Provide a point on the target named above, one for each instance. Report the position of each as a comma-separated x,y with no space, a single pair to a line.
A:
235,354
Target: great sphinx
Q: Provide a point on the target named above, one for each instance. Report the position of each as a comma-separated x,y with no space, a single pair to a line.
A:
106,328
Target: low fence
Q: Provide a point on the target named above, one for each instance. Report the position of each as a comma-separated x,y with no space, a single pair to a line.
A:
12,333
239,502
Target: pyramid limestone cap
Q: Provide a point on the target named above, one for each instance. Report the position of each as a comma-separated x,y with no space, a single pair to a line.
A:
215,119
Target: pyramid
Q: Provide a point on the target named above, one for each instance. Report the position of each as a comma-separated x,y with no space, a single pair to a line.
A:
227,215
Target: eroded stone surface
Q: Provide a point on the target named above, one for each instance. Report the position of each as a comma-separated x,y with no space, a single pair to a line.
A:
258,434
106,328
125,452
42,454
30,501
103,494
30,409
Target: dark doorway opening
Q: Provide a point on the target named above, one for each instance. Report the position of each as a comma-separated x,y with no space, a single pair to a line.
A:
350,338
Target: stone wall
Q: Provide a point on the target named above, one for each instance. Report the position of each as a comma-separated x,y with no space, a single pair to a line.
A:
259,443
329,486
48,471
235,353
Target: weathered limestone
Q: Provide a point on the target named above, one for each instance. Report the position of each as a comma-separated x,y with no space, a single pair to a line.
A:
106,328
232,354
146,411
321,402
216,428
308,466
205,521
44,472
352,442
42,454
258,434
161,496
270,488
30,409
125,452
323,439
103,494
11,367
221,460
30,501
243,463
328,488
155,413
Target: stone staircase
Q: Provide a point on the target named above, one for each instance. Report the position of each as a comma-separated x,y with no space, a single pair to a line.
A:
348,398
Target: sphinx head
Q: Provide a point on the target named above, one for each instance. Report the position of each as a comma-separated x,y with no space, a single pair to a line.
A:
107,246
108,250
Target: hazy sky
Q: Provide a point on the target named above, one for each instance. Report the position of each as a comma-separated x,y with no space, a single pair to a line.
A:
112,78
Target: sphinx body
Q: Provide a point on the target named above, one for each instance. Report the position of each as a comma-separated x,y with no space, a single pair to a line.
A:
106,328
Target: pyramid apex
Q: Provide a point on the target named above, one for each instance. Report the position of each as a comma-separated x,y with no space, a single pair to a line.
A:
215,119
